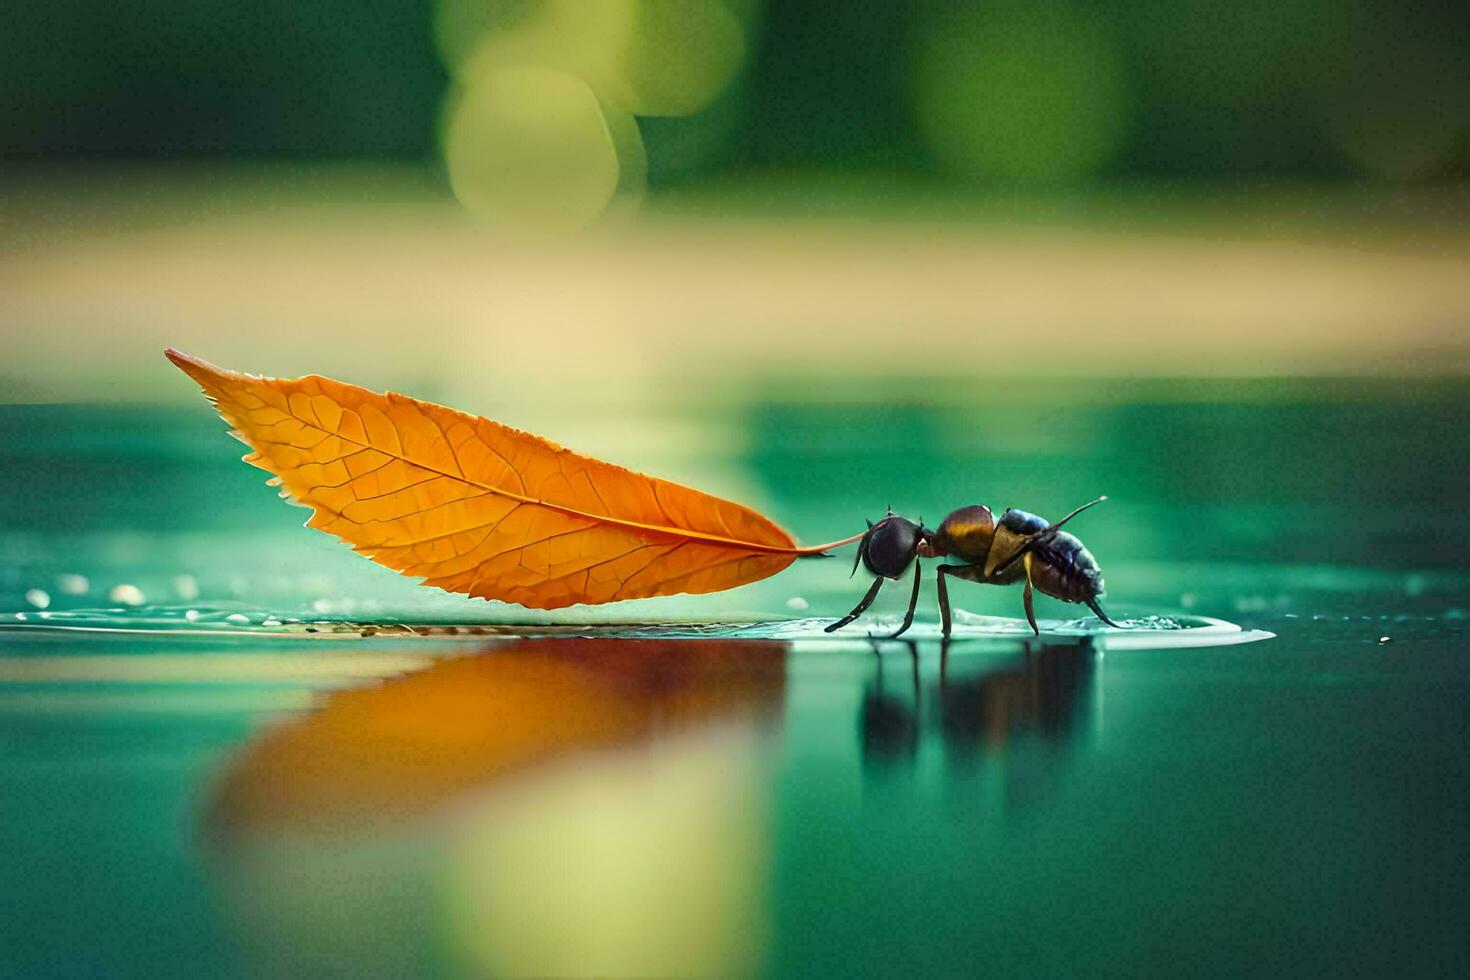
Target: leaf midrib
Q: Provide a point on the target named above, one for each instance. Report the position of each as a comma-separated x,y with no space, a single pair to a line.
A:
560,508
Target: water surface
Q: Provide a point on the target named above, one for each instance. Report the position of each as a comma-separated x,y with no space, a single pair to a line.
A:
228,745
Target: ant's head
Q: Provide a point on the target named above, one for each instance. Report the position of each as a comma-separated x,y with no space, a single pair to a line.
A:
890,546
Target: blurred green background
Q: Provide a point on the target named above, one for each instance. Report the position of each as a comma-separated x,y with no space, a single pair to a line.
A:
999,91
663,196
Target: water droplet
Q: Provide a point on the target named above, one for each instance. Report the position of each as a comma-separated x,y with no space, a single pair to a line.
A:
38,598
270,621
186,587
1385,639
70,584
1188,600
797,603
127,595
237,618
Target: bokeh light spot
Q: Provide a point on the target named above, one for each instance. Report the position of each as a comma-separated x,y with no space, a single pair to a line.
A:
535,146
676,57
1019,92
1401,110
644,57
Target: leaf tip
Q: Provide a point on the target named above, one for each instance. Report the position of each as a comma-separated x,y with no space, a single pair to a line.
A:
200,370
179,358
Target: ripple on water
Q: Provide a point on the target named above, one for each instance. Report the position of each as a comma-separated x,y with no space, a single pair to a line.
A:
231,620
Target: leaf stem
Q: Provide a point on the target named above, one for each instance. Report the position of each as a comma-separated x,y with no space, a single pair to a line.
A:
819,550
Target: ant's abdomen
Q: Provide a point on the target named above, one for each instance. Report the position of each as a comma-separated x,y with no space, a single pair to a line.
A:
1063,568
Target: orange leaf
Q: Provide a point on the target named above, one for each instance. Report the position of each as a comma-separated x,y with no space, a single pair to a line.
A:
473,506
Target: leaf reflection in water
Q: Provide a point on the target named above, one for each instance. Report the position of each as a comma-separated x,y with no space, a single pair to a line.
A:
392,750
552,807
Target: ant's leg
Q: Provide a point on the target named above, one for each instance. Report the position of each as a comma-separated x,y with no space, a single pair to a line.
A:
944,596
858,609
1092,604
1026,597
943,603
908,617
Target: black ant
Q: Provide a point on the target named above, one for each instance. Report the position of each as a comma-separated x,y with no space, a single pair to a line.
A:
1020,546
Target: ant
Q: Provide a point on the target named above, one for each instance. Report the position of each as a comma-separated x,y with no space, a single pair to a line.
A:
1019,546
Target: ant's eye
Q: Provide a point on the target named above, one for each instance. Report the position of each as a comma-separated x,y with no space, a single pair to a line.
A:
890,546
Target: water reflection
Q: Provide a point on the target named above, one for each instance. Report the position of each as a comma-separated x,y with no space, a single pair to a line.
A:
974,714
889,722
541,808
1040,694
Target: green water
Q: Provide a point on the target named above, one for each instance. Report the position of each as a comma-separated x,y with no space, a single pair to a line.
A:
191,783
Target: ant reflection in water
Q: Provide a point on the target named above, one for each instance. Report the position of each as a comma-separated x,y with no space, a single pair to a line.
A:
1042,694
890,724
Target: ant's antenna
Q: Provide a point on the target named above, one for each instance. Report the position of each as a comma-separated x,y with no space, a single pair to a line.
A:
1043,533
1091,503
